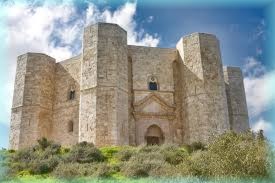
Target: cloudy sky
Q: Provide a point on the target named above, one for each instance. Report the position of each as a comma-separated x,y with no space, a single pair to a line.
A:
55,28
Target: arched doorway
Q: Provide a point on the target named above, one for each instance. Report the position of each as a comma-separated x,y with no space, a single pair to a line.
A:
154,135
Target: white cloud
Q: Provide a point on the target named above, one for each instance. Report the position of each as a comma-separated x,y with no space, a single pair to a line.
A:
253,67
30,28
261,124
49,29
123,16
259,87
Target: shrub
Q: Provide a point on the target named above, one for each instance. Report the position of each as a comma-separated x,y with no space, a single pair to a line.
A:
43,166
64,150
84,153
43,143
164,170
151,148
126,153
154,161
231,154
40,159
11,151
109,153
197,146
173,154
184,168
140,164
102,170
69,170
199,164
3,163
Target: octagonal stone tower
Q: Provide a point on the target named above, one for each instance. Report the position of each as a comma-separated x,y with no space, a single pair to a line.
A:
205,107
104,86
32,107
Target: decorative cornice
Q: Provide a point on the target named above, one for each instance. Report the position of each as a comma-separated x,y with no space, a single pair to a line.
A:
148,115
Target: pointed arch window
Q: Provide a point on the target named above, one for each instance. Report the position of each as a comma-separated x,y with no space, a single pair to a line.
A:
152,84
71,94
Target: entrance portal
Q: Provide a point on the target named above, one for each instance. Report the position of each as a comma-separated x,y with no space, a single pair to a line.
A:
154,135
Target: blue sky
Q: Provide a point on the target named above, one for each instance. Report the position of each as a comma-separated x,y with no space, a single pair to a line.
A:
244,29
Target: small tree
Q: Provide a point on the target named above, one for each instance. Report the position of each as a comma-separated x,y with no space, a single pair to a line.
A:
260,135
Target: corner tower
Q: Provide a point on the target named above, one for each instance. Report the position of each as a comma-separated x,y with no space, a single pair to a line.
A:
237,107
103,116
204,104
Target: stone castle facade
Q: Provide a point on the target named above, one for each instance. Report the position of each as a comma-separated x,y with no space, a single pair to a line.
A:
118,94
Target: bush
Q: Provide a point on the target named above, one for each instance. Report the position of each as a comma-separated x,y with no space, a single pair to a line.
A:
173,154
148,149
64,150
164,170
40,159
102,170
197,146
125,153
84,153
44,166
231,154
69,170
109,153
140,164
11,151
43,143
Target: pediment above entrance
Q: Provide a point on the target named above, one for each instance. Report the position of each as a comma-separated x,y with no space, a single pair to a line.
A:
153,106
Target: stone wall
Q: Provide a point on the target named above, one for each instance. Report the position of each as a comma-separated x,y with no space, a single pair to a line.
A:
238,115
87,108
148,61
33,99
17,105
104,85
157,63
66,110
204,99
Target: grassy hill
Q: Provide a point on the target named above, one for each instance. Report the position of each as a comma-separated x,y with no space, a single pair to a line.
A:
238,157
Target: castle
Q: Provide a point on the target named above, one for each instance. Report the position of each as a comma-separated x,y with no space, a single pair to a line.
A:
119,94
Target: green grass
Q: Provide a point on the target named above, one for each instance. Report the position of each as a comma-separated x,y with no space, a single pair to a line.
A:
109,153
230,155
41,179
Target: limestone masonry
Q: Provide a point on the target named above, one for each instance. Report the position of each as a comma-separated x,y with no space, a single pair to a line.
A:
118,94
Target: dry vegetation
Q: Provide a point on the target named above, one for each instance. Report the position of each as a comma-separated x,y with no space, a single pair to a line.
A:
230,155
